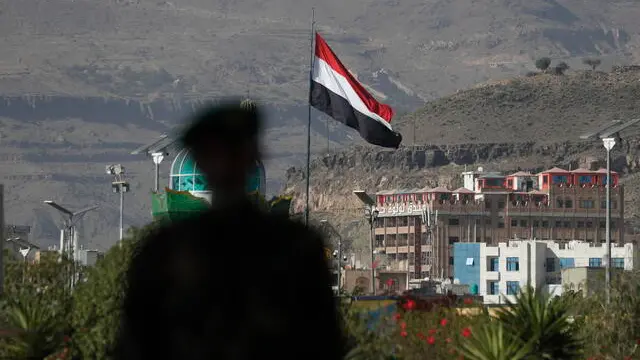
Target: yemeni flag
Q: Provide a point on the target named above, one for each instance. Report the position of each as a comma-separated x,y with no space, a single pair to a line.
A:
335,92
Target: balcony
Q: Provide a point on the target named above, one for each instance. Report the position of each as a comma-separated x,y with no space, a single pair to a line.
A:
492,276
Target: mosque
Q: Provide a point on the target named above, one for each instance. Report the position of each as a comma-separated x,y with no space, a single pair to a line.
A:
188,191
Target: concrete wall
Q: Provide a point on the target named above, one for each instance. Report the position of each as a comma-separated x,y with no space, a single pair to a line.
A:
532,256
466,264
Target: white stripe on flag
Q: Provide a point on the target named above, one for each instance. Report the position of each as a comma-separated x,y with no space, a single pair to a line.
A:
324,75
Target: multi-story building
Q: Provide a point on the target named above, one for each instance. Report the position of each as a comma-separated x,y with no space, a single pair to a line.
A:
491,208
498,272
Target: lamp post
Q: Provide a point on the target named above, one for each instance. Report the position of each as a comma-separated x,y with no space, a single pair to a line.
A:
68,236
608,143
371,214
157,150
120,186
609,133
338,252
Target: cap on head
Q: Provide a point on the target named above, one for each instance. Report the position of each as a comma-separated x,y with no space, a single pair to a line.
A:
231,124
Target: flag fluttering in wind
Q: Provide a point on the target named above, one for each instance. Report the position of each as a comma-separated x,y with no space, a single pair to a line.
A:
337,93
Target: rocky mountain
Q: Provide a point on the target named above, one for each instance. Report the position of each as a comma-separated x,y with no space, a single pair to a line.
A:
531,123
84,82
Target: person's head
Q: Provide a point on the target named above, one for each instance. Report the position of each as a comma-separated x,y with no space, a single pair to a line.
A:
224,141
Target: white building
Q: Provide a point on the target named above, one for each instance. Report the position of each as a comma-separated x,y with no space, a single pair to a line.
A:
498,272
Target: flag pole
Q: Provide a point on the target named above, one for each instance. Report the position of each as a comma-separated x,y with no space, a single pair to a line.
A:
311,58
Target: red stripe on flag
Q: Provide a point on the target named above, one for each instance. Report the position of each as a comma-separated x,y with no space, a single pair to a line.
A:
324,52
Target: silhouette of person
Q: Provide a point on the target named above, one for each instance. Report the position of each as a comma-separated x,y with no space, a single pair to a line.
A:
233,282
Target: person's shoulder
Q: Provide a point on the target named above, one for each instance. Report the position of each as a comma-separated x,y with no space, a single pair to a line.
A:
285,224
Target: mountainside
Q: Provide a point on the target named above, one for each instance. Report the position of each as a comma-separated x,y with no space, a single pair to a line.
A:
84,82
531,123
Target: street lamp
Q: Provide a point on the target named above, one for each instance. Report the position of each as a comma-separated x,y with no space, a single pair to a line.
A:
371,214
121,186
608,134
336,253
68,235
157,150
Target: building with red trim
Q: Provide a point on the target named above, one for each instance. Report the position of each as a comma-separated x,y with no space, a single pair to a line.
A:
555,204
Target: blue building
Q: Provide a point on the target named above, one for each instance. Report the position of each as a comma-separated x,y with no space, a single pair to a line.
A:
466,265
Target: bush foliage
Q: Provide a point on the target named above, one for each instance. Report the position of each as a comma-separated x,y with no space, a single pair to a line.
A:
51,321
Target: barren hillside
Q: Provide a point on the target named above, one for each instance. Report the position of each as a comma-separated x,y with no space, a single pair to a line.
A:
83,82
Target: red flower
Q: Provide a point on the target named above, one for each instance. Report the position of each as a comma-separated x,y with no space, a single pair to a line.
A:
444,322
410,305
390,282
420,336
403,333
448,340
466,332
468,301
431,340
403,325
432,331
397,316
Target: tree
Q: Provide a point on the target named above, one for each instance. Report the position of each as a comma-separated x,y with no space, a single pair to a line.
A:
594,63
544,324
561,68
543,63
37,306
97,301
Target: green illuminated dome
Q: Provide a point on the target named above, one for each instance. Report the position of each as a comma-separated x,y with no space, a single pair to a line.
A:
186,176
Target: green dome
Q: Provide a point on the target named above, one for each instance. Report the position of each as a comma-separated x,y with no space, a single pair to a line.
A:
185,174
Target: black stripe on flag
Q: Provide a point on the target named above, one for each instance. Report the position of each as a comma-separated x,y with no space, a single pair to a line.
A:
339,109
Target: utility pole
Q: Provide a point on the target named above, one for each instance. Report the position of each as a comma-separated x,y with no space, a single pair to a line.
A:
119,186
609,133
371,214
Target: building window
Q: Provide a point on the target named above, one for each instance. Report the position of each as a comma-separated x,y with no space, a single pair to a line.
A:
501,225
567,224
514,223
536,223
523,223
558,224
450,260
567,263
501,205
545,223
603,224
587,204
453,240
379,222
494,288
513,287
589,224
513,264
568,203
595,262
391,222
487,222
559,203
558,179
403,221
391,240
617,263
402,239
585,179
494,264
454,221
487,204
379,240
551,264
580,224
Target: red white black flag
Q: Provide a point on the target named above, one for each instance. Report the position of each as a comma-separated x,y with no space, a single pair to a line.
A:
335,92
